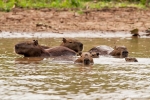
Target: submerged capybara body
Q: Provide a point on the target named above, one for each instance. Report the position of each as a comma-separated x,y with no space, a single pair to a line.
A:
85,58
60,51
72,44
102,49
119,51
33,49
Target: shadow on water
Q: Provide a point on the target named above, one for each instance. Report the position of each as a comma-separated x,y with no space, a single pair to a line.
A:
42,79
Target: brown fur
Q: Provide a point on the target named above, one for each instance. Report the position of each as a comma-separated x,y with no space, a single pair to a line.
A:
72,44
128,59
60,51
94,54
120,51
33,49
102,49
85,58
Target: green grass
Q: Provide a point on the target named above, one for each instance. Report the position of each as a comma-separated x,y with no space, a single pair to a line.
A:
7,5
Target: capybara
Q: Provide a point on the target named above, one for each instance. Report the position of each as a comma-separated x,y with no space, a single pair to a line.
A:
33,49
72,44
85,58
129,59
118,51
94,54
102,50
135,32
36,43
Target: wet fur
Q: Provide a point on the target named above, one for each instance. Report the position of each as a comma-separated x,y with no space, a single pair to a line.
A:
72,44
33,49
129,59
85,58
117,51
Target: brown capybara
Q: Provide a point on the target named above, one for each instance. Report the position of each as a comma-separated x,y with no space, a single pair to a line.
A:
94,54
120,51
33,49
135,32
129,59
85,58
102,50
36,43
72,44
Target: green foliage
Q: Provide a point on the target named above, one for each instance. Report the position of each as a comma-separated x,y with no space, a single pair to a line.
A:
7,5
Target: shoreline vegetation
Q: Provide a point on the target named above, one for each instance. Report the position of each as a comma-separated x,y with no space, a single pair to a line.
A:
8,5
59,16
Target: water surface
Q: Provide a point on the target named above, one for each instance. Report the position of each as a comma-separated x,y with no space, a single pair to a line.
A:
107,79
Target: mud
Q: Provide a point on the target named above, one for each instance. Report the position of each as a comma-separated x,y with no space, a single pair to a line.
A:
59,21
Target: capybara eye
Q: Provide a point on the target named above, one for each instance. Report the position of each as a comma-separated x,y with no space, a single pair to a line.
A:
70,42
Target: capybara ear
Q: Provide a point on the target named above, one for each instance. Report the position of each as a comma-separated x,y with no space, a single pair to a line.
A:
35,42
64,40
79,53
90,52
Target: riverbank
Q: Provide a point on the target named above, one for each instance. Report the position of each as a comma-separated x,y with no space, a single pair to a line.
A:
60,21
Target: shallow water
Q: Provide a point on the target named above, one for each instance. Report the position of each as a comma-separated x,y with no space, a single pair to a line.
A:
107,79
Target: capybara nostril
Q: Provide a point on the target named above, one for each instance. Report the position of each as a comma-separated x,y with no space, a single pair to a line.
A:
125,52
86,61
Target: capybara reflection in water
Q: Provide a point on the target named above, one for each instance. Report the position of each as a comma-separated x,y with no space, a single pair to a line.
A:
33,49
85,58
129,59
118,51
72,44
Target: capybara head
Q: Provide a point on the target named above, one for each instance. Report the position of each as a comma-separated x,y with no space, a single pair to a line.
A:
128,59
72,44
120,51
85,58
94,54
28,49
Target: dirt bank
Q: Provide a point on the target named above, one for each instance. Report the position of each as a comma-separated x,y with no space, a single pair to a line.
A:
47,20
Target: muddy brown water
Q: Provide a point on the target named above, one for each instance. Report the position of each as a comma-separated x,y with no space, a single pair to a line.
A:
108,79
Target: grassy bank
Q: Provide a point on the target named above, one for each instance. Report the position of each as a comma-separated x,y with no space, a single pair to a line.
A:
7,5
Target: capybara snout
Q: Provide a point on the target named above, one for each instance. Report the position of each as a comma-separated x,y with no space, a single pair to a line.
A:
85,58
125,53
